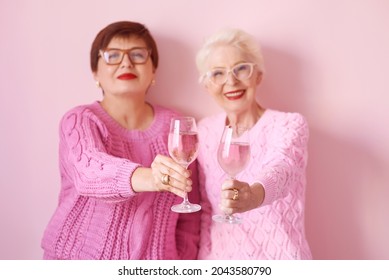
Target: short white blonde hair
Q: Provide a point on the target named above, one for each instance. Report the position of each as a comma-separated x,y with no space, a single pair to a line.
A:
231,37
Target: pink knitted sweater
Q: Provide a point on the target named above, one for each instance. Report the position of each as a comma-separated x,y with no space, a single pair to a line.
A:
99,216
278,160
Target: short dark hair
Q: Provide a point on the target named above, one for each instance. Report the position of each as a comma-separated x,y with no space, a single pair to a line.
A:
122,29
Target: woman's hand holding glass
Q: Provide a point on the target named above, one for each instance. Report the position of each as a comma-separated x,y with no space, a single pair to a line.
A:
233,155
183,148
250,197
179,181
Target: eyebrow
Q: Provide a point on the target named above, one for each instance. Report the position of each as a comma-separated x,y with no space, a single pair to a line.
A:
112,48
221,67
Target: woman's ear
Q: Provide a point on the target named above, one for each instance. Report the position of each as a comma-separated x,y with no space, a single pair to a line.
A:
95,77
259,77
205,84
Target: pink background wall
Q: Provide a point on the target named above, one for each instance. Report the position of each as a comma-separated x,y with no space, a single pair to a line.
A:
327,59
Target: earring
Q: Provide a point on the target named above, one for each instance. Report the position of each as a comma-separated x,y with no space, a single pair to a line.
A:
153,82
98,84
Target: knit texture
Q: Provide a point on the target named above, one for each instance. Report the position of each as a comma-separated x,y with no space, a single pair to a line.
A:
275,230
99,216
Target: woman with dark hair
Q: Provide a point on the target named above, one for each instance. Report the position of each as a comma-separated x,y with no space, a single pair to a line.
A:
117,182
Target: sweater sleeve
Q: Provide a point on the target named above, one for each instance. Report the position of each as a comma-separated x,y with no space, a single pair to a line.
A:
85,161
206,220
205,130
286,158
188,225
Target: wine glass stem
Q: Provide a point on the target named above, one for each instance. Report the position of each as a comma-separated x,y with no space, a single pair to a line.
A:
186,200
229,216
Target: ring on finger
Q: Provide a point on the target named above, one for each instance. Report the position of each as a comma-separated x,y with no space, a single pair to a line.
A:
236,194
165,179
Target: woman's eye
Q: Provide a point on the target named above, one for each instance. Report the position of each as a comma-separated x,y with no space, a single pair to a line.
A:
113,55
217,73
242,68
137,55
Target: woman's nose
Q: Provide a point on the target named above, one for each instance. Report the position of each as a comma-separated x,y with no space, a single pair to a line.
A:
127,61
231,79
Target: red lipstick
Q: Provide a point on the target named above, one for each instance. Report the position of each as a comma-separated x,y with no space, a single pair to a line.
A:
234,95
127,76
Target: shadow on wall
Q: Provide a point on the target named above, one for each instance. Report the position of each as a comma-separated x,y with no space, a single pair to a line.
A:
347,197
177,84
346,200
282,86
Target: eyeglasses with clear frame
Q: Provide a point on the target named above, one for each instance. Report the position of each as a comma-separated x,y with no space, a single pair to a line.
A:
241,71
115,56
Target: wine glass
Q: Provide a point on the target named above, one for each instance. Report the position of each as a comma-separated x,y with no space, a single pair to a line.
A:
183,147
233,156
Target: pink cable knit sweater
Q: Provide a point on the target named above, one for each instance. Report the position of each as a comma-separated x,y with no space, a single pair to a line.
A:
99,216
275,230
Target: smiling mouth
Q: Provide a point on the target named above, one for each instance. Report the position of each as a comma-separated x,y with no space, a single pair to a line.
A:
233,95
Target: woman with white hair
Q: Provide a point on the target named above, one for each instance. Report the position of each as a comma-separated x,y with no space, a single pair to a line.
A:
269,194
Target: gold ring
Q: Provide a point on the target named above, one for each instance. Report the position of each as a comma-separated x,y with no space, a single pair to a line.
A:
236,194
165,179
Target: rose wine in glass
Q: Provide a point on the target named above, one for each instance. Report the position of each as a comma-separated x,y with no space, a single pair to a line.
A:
233,156
183,147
